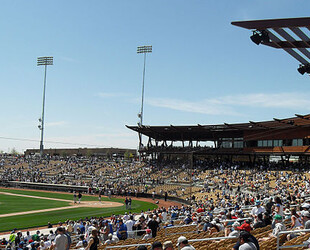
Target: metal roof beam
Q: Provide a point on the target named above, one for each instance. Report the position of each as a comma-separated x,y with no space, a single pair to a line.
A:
294,54
287,45
301,35
182,132
291,40
156,133
273,23
231,126
292,123
302,117
174,128
257,124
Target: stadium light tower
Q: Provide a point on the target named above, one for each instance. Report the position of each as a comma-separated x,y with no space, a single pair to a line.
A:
143,50
43,61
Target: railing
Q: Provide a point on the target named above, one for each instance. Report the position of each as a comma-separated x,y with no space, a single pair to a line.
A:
229,220
125,246
215,238
238,219
176,219
134,234
181,218
287,232
243,208
183,226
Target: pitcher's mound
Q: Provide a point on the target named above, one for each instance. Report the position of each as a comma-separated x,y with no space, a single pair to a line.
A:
97,204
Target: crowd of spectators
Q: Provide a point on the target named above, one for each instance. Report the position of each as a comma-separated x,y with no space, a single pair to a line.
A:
238,221
233,198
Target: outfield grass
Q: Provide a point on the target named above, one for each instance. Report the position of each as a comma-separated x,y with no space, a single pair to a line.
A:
50,195
14,204
41,219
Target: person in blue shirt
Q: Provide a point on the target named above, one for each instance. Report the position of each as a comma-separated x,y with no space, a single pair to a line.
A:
188,220
111,228
174,215
171,224
82,227
207,224
122,231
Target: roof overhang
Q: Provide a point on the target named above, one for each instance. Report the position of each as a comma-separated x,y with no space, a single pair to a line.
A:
290,34
215,132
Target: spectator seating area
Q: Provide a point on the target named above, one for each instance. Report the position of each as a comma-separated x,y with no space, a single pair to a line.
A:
222,191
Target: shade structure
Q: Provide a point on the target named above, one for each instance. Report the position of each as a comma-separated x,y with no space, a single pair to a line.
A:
290,34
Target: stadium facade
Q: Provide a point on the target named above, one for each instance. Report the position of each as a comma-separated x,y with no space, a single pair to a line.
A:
103,152
278,137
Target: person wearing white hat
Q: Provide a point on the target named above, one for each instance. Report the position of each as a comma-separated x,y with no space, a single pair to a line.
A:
235,231
125,217
306,219
305,205
168,245
109,240
183,244
206,224
258,209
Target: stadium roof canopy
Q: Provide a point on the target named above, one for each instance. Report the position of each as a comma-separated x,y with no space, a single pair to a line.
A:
213,132
291,35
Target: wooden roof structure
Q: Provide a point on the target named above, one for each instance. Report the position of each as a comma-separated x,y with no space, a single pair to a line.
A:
214,132
290,34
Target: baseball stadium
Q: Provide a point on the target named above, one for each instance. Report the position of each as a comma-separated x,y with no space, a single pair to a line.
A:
202,186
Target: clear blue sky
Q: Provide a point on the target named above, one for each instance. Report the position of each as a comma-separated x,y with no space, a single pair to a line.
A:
202,70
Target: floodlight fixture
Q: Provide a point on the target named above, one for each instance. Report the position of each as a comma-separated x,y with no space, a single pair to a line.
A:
260,36
43,61
304,69
255,38
265,36
144,49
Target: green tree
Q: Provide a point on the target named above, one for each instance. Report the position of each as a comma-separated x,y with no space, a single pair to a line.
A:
89,153
126,155
14,152
64,153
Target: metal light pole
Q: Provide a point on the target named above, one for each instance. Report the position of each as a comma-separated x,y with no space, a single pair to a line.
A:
191,174
48,60
143,50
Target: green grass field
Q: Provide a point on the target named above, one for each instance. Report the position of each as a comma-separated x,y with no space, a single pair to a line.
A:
9,204
12,204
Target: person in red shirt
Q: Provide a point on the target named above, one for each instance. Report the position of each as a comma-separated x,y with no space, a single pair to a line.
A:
245,226
233,217
200,210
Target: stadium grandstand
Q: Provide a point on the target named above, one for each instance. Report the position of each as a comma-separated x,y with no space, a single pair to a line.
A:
102,152
216,186
256,140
